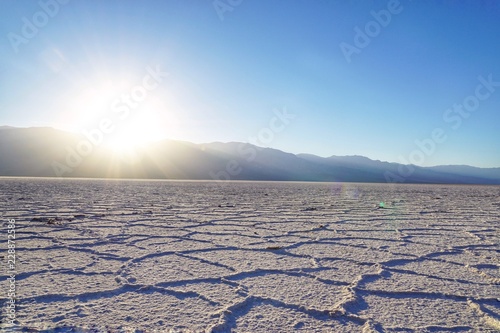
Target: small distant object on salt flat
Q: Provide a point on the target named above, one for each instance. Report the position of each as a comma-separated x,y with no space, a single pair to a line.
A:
382,205
57,219
48,220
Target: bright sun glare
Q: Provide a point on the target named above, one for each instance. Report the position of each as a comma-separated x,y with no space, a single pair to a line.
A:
134,134
134,123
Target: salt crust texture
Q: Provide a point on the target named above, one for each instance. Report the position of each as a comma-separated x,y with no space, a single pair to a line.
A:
160,256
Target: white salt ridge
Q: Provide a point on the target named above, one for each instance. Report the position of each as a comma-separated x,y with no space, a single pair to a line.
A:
146,256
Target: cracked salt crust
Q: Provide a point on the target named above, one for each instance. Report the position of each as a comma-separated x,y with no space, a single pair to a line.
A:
156,256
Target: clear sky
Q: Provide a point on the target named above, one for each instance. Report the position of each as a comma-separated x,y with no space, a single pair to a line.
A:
360,77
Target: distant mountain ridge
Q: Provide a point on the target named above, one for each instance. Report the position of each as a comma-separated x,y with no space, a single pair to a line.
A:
47,152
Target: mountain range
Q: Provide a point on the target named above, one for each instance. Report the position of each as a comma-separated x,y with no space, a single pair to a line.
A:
48,152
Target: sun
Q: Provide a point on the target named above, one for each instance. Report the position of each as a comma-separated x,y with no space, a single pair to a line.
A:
137,132
131,126
121,144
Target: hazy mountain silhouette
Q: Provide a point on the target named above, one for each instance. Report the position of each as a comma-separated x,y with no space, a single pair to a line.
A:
46,152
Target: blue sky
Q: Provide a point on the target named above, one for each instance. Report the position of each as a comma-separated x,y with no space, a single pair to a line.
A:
228,73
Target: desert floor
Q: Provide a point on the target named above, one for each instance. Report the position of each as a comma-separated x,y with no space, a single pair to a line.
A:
167,256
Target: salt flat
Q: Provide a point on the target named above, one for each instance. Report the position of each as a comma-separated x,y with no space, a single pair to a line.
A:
165,256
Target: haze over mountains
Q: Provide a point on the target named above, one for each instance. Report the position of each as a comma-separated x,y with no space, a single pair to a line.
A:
47,152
